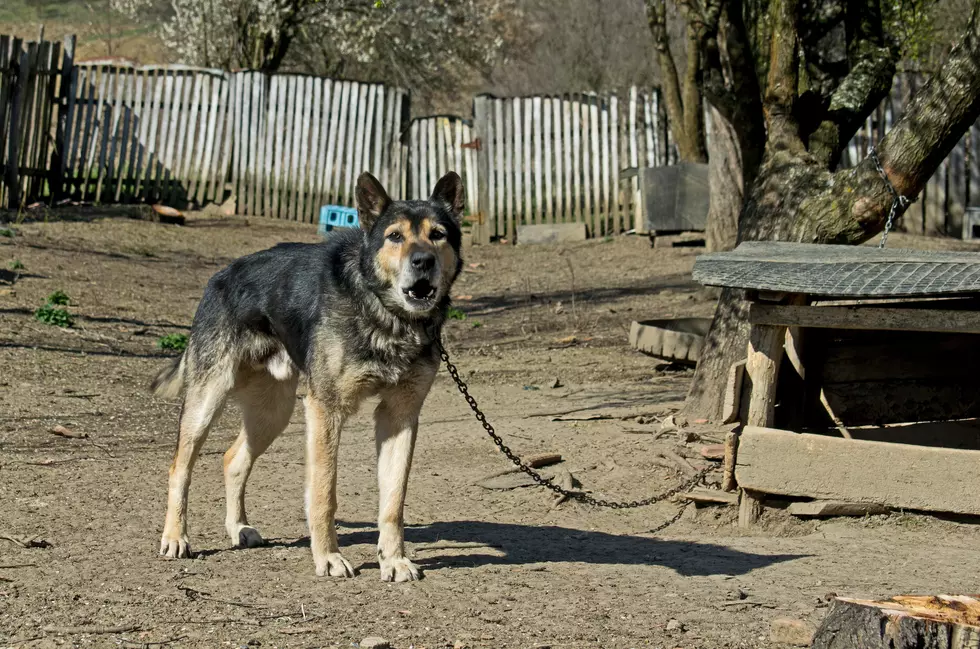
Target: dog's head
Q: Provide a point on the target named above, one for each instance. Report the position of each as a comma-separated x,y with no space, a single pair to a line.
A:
412,247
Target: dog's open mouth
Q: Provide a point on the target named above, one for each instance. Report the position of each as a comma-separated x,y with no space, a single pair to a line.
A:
421,291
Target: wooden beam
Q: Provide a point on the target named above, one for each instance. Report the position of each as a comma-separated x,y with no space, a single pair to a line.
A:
830,468
924,622
873,318
821,508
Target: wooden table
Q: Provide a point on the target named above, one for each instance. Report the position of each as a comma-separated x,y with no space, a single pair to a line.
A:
871,338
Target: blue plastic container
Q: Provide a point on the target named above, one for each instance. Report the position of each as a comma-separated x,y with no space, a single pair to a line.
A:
335,216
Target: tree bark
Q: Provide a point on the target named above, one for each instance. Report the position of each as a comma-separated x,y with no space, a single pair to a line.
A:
796,198
725,177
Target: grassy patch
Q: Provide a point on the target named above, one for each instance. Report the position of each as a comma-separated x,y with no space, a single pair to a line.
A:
59,298
16,264
455,313
55,316
173,342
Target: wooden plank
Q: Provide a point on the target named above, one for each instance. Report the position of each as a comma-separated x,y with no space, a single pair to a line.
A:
351,142
423,159
558,169
363,119
86,152
481,119
441,144
501,187
205,163
223,140
607,141
494,178
415,149
617,221
128,136
702,495
110,150
330,162
174,106
518,124
196,134
596,154
576,212
338,181
903,622
869,318
549,215
508,166
378,134
433,165
733,393
256,143
458,142
566,122
284,113
294,132
186,125
317,145
303,160
528,210
903,476
586,164
536,119
147,134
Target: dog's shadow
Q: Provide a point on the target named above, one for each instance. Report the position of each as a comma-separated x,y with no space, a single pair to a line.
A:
510,544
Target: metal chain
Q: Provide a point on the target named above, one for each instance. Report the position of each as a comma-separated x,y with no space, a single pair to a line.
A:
548,483
898,200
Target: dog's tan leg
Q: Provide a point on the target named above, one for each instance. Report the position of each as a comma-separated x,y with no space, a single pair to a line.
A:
323,424
396,424
202,406
267,405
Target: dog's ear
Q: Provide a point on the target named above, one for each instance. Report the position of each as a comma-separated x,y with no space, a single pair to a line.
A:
372,200
449,190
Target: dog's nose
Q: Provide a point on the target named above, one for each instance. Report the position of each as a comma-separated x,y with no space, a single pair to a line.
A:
423,261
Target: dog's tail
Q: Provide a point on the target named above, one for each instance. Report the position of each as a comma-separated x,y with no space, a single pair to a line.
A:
170,380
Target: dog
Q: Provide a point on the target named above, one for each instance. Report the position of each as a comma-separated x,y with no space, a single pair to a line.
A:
357,315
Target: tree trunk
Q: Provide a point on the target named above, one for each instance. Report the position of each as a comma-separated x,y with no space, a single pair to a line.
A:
725,181
796,198
900,623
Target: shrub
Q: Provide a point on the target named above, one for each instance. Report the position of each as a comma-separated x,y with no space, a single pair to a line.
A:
51,314
173,342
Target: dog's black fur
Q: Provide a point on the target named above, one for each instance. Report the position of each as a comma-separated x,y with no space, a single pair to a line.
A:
358,315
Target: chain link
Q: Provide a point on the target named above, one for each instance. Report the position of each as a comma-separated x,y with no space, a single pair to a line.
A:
898,200
548,483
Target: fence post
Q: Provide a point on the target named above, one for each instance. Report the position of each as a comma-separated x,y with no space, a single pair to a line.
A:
481,123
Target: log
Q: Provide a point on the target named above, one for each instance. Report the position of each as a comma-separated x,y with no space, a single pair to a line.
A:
866,318
904,622
728,482
903,476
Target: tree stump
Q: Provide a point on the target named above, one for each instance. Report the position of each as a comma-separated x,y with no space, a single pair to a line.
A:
904,622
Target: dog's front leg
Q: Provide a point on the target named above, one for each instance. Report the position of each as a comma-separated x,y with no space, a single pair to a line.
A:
323,425
396,424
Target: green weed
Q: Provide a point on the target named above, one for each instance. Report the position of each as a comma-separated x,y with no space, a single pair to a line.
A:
16,264
59,298
50,314
173,342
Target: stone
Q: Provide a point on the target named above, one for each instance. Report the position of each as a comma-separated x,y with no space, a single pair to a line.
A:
374,642
792,632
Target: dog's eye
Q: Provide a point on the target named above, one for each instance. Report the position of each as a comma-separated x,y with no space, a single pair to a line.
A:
395,237
437,235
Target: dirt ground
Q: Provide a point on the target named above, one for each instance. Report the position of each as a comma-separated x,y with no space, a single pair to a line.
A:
503,568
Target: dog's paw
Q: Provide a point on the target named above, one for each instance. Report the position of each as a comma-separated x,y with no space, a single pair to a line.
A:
175,546
245,536
333,565
399,570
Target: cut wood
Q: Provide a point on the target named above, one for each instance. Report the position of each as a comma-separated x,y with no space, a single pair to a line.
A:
904,622
61,431
728,482
93,629
830,468
733,393
701,495
749,508
675,339
818,508
714,452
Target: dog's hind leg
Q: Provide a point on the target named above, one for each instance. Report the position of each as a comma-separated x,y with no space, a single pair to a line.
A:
396,424
203,403
267,405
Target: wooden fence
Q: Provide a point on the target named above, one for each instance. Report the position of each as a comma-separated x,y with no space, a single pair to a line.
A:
436,145
30,85
283,145
557,159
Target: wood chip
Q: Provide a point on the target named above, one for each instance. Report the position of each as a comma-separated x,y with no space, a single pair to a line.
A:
818,508
701,495
61,431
